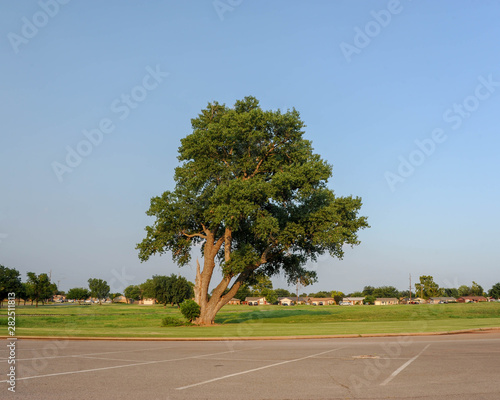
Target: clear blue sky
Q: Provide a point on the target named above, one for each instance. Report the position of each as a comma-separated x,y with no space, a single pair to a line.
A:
371,79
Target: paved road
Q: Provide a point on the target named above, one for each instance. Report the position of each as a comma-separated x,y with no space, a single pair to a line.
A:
465,366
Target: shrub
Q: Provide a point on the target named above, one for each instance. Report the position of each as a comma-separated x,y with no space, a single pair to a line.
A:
171,321
190,309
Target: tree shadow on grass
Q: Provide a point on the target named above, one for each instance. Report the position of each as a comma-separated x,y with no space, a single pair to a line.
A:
259,315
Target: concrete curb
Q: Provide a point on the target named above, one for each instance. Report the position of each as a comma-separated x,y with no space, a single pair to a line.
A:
237,338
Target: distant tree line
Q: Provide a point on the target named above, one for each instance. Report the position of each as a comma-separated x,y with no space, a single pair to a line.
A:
171,289
37,288
175,289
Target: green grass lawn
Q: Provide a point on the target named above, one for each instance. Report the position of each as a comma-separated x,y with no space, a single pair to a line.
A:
124,320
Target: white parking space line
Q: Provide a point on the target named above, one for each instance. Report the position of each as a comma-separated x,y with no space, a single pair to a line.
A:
92,354
120,366
105,358
256,369
395,373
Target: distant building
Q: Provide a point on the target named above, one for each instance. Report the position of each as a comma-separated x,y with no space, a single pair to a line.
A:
437,300
386,301
256,301
321,301
234,301
286,301
120,299
471,299
300,300
354,300
59,298
147,302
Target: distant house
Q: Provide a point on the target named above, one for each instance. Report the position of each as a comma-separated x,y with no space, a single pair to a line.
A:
234,301
59,298
354,300
321,301
300,300
120,299
146,302
407,300
386,301
437,300
256,301
471,299
286,301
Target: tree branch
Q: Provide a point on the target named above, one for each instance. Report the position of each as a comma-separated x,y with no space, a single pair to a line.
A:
256,171
194,235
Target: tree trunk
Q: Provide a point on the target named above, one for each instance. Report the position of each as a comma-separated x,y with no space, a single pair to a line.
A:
197,284
207,315
209,308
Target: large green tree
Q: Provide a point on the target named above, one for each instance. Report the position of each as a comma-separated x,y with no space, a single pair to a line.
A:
78,294
476,289
171,289
464,290
337,296
98,289
39,287
451,292
385,291
253,194
10,282
427,287
147,289
132,292
495,291
282,292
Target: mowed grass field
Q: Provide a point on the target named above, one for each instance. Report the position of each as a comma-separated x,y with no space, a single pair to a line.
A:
124,320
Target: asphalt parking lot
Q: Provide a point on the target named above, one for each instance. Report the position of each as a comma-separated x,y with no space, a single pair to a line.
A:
464,366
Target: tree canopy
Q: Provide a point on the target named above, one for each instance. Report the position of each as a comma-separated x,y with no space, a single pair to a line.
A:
132,292
495,291
171,289
10,282
427,288
39,288
78,294
98,289
251,191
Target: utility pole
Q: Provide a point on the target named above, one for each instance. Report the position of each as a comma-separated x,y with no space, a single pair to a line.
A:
297,302
410,288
